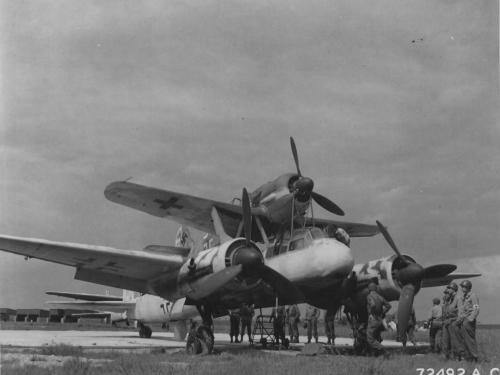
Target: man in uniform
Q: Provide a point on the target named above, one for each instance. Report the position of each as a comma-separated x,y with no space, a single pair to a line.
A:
435,325
450,313
293,322
312,316
465,325
246,313
330,326
410,330
234,321
279,324
377,308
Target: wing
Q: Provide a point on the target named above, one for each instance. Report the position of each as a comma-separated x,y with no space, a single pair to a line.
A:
182,208
85,296
196,212
126,269
114,306
445,280
353,229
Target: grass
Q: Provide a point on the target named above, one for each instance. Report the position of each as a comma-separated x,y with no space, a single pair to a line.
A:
246,361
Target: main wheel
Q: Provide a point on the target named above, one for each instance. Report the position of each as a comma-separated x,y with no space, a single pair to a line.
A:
147,332
206,338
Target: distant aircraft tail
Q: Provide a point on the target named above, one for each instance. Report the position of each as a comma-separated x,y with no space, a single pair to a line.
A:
128,295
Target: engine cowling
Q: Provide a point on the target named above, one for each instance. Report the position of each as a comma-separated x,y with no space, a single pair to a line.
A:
385,270
197,274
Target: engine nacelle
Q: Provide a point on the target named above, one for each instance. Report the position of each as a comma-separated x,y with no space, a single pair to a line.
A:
383,269
195,272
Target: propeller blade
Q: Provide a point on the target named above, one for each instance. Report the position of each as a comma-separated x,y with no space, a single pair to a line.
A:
327,204
287,292
208,284
405,307
438,270
295,156
247,216
389,240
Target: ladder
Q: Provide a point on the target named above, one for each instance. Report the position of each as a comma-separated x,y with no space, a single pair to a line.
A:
264,327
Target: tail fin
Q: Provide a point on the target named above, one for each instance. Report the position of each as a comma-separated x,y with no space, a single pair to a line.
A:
209,241
183,238
128,295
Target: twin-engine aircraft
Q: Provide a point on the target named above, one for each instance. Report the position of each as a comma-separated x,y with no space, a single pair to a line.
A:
144,309
216,279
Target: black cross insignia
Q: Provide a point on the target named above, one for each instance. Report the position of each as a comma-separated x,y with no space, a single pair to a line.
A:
165,205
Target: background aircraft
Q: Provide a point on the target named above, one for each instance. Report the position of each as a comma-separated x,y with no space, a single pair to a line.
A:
144,309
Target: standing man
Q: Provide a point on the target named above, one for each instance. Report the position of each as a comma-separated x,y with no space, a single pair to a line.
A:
279,324
312,316
293,322
468,310
435,323
330,326
234,321
246,313
377,308
410,330
450,314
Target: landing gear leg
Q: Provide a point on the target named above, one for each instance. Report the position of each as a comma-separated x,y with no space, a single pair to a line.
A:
144,331
201,337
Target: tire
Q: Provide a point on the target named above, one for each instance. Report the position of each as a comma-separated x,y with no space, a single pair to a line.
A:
206,339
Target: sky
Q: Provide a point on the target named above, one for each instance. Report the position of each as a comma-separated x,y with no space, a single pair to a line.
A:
393,107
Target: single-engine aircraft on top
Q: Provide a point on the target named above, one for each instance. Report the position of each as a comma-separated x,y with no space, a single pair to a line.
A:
272,205
399,278
213,280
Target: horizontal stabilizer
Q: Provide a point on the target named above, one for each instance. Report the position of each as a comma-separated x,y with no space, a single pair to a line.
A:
182,251
115,306
85,296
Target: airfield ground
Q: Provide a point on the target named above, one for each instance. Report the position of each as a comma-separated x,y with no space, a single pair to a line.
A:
120,351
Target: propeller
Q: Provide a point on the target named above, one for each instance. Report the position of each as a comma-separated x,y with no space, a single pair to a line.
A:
208,284
286,291
410,275
304,187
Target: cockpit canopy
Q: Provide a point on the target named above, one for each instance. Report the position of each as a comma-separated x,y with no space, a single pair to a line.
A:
303,237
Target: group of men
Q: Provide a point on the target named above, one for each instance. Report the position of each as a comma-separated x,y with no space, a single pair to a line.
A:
282,318
452,325
243,315
290,317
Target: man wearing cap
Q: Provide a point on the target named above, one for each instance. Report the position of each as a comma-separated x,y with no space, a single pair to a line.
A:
312,316
377,308
234,321
435,325
293,321
465,326
450,313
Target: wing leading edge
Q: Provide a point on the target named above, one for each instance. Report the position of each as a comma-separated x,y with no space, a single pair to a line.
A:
126,269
